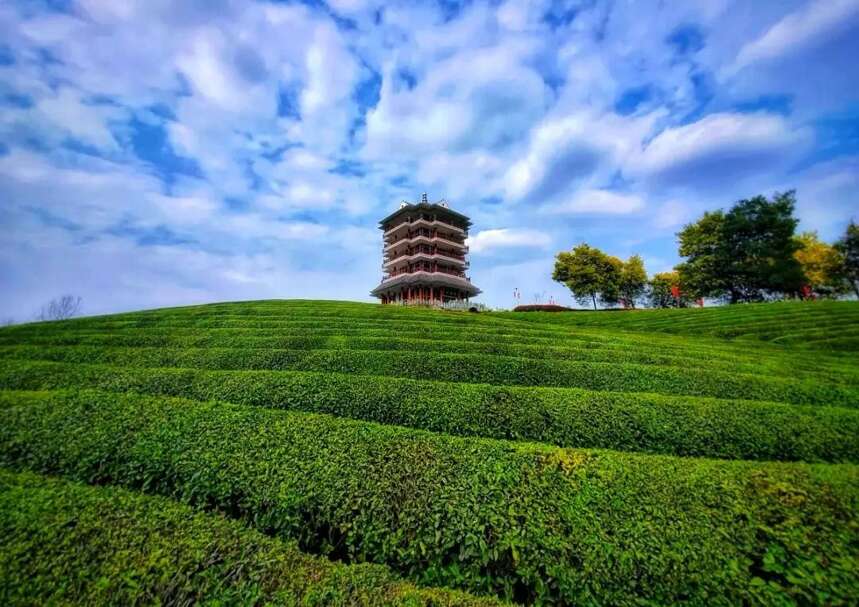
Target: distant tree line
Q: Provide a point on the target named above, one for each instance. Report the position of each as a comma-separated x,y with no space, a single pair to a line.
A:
749,253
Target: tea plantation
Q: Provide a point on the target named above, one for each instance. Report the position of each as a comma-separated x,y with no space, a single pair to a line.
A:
331,453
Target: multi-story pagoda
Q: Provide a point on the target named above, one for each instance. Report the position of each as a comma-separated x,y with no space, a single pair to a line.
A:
424,255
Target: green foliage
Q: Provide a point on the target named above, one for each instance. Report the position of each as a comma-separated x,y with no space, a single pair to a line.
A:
449,492
524,521
822,266
633,281
564,417
820,325
848,247
65,543
589,273
502,370
661,289
746,254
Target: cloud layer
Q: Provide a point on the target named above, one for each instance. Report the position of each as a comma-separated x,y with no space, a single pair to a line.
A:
154,153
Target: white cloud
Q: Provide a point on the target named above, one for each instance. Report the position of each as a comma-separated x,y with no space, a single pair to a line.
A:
86,122
211,74
326,106
568,150
597,202
672,214
719,147
512,116
487,241
827,195
477,98
807,26
520,15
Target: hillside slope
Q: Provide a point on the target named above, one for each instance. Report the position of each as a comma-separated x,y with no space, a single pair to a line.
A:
608,458
832,325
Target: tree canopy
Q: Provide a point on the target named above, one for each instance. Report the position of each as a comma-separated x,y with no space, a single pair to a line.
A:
848,248
589,273
593,275
633,281
745,254
822,266
665,290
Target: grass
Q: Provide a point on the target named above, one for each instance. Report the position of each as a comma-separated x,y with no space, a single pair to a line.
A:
698,456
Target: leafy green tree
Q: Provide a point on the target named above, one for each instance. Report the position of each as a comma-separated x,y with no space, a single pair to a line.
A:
661,291
701,243
633,281
611,289
822,266
848,247
589,274
745,254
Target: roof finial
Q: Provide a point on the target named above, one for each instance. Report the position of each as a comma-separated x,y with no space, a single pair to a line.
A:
424,198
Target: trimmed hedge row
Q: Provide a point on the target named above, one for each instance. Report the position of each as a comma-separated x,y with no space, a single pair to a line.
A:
528,522
762,321
463,368
740,363
65,543
765,321
160,335
516,332
566,417
766,359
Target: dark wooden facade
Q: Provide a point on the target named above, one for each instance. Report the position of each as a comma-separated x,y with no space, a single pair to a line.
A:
424,258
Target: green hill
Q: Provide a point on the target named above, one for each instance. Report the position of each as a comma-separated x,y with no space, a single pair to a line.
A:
822,325
623,458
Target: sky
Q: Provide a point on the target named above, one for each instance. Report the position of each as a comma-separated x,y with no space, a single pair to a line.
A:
157,153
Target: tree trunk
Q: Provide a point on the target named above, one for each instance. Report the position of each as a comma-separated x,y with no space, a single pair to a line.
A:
594,297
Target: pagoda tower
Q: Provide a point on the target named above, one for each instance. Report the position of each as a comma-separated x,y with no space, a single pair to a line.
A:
424,255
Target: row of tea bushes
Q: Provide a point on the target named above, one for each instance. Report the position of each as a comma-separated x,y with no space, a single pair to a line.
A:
734,362
70,544
525,521
436,326
759,321
731,429
469,368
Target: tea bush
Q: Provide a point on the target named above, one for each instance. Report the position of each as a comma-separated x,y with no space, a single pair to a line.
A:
463,368
524,521
65,543
732,429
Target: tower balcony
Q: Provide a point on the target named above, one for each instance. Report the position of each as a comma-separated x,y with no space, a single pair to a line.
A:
428,239
459,262
420,222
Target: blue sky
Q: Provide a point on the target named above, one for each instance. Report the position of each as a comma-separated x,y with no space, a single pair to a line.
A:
155,153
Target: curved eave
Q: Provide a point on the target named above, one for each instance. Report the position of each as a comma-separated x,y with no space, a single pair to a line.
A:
430,206
432,279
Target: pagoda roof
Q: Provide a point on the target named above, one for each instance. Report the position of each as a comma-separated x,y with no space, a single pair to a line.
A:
436,207
434,279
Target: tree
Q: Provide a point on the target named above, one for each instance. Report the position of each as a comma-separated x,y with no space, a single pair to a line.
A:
633,281
588,273
702,245
60,308
746,254
611,293
666,291
822,266
848,248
